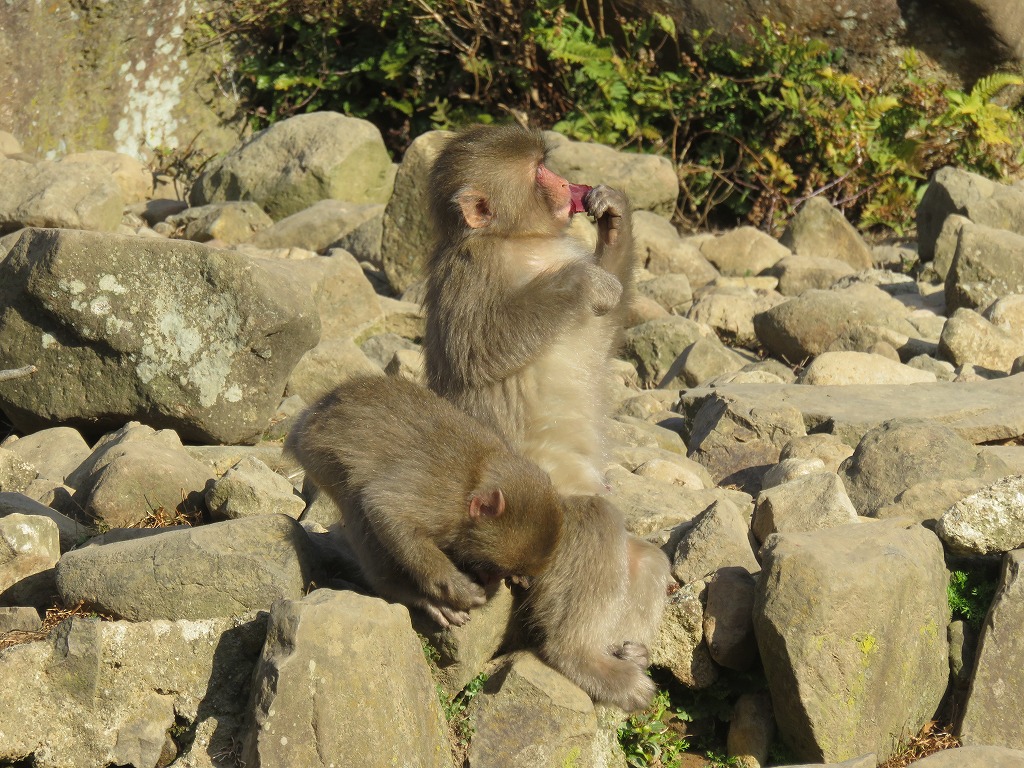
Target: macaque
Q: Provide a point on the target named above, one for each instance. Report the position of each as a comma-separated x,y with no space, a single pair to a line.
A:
597,606
522,317
436,507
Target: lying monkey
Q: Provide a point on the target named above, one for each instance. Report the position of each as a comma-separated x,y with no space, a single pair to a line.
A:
436,504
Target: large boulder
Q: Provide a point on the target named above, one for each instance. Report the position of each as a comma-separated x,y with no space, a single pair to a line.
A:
174,333
991,715
121,693
299,161
343,681
988,263
849,672
46,194
408,234
819,229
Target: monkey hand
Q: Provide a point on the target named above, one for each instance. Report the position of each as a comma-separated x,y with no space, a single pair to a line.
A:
459,592
607,206
605,290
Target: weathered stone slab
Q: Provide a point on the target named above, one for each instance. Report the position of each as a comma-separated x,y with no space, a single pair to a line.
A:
979,411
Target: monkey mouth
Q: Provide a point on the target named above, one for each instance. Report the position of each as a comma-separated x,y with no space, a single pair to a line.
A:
576,194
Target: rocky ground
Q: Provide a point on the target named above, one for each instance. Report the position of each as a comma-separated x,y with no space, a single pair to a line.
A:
816,439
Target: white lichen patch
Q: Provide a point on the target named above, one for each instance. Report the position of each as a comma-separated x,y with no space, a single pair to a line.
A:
110,284
200,629
71,287
196,350
48,341
991,520
100,305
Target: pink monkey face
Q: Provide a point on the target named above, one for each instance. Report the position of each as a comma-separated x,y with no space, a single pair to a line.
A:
556,190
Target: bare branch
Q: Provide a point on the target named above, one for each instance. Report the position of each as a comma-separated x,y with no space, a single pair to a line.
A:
17,373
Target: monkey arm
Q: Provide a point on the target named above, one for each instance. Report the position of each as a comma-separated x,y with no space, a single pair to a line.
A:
610,208
519,324
436,576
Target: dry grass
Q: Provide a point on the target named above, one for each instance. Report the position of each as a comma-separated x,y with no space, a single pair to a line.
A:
54,616
934,737
164,518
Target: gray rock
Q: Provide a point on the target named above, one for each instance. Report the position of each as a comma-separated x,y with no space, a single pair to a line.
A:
969,338
807,503
845,368
299,161
408,363
15,474
790,469
649,181
220,458
991,716
675,470
1007,313
718,538
344,298
113,693
986,522
670,291
229,223
404,318
805,326
730,312
136,473
19,618
652,505
221,569
530,716
743,251
819,229
29,549
864,761
203,344
680,647
71,532
46,194
464,651
133,178
850,673
373,701
830,449
326,365
751,729
252,488
381,348
408,234
736,442
797,274
973,757
660,250
729,618
900,454
955,191
355,227
704,360
943,370
988,264
54,453
980,412
946,245
653,346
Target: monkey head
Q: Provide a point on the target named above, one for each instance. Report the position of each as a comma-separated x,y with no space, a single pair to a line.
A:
492,181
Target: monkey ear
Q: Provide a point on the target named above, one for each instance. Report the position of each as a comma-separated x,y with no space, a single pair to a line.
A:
487,504
476,208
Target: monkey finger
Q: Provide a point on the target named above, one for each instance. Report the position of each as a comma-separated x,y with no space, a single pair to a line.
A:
455,618
435,613
634,652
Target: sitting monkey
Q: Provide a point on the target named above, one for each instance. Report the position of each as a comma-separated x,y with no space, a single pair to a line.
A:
522,318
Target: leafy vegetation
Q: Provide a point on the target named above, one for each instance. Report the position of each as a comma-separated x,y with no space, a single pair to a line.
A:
648,740
970,594
752,131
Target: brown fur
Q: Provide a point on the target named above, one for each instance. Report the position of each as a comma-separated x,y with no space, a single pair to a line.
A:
405,467
598,605
521,317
